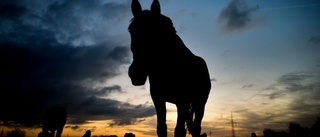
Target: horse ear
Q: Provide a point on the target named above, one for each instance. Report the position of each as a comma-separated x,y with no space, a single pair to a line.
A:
136,7
155,6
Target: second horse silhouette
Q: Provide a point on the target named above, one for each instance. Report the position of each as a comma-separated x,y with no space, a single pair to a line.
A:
175,74
53,122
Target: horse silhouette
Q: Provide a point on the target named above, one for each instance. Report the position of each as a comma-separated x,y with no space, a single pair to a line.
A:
54,120
175,74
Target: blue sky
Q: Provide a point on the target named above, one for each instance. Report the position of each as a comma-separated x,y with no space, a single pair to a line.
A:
263,57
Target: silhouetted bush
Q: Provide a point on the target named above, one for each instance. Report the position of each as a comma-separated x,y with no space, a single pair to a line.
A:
105,136
253,134
296,130
315,129
16,133
129,135
87,134
271,133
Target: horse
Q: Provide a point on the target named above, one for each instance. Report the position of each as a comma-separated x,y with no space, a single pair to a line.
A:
175,74
53,122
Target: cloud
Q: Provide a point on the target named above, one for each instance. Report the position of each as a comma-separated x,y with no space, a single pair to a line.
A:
76,23
300,82
236,16
315,40
11,11
275,95
248,86
295,83
63,53
213,80
293,98
302,90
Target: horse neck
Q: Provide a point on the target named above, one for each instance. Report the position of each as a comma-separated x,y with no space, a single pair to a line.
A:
171,45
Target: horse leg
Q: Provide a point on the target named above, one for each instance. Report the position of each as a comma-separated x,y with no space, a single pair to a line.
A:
51,134
199,108
180,130
161,118
59,132
45,131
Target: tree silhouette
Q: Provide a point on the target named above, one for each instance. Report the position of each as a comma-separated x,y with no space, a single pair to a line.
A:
315,129
253,134
16,133
129,135
296,130
87,134
271,133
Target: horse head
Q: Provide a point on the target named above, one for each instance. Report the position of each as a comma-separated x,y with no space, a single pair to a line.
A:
154,41
148,30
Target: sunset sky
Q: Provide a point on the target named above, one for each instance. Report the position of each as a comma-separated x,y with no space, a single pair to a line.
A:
263,57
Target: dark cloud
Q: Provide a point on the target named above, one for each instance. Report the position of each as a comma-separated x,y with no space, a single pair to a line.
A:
237,16
300,82
252,120
108,90
81,128
275,95
302,88
134,114
62,53
294,98
315,40
213,80
297,83
11,11
76,127
248,86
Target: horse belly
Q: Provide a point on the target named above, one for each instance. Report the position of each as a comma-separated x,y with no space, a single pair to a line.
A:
174,90
188,81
